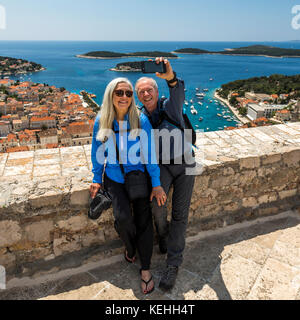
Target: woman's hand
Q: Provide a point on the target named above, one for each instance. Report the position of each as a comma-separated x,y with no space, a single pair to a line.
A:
159,194
94,188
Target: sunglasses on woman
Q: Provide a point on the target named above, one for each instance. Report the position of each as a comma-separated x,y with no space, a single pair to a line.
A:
120,93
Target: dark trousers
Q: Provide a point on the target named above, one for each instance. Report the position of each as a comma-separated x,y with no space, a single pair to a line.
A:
136,231
182,192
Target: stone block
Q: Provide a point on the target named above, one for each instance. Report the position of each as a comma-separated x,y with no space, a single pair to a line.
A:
270,159
250,202
66,244
80,198
249,163
287,193
93,238
283,286
292,158
39,231
74,224
50,198
10,233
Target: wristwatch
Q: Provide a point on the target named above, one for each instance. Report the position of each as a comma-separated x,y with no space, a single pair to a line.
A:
174,78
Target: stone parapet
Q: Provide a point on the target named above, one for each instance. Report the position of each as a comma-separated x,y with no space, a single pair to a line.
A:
241,175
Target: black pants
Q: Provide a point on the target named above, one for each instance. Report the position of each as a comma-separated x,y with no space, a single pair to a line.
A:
136,231
183,185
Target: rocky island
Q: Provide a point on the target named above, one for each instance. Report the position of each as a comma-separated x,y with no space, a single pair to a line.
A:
116,55
135,66
13,66
255,50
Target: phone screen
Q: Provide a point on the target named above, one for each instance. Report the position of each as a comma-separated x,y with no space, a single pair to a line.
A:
152,67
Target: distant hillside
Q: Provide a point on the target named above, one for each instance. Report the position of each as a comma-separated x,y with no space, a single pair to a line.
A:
114,55
264,50
274,84
257,50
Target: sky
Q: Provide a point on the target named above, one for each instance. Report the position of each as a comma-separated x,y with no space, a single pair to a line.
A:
150,20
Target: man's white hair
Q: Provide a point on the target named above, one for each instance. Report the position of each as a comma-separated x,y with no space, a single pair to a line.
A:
153,82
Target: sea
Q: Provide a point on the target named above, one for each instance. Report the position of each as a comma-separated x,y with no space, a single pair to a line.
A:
64,69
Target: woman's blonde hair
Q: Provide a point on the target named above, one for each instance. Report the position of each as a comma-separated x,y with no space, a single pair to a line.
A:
108,112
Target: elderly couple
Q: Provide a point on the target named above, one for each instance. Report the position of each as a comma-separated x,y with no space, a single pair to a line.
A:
118,124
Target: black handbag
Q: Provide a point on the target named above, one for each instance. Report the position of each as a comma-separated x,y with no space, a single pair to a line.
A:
136,181
137,184
100,203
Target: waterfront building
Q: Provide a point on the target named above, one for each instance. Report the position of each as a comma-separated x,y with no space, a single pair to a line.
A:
255,111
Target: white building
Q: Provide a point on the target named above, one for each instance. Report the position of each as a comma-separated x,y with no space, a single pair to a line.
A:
256,111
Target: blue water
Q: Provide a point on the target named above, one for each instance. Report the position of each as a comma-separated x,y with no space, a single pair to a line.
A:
75,74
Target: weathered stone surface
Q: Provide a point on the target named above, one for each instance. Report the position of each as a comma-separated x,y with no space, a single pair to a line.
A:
249,163
284,286
73,224
249,202
39,231
10,233
66,244
292,158
287,193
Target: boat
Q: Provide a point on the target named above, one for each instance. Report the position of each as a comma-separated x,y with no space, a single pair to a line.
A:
194,111
211,79
197,89
219,115
200,94
200,103
200,119
205,90
191,101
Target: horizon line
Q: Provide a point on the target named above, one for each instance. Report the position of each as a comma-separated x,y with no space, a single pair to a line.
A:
39,40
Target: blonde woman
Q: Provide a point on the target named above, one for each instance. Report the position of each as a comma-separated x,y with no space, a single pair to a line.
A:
120,123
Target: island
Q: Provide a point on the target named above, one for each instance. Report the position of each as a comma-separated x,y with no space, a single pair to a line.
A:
134,66
254,50
13,66
116,55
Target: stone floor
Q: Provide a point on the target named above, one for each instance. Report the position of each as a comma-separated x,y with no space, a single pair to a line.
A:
258,260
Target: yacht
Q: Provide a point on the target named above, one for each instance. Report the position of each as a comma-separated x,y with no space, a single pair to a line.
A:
194,111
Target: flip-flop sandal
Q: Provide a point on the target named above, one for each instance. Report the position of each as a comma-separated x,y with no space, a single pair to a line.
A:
147,283
129,260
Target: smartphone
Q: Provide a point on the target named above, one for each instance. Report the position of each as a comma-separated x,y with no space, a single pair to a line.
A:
152,67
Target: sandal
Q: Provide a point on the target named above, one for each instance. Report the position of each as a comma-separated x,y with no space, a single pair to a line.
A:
147,283
129,260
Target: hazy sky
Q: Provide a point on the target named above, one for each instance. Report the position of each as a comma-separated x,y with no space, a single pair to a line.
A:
141,20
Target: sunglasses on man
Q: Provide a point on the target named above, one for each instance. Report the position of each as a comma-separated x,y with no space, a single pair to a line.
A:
120,93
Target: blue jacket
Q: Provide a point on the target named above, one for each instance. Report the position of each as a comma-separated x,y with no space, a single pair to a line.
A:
143,147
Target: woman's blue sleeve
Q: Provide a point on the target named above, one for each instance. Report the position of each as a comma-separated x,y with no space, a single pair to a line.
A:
97,155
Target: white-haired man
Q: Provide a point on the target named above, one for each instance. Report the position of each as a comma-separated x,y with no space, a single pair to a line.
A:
166,115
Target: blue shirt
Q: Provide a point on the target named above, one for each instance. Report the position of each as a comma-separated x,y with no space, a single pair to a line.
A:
133,152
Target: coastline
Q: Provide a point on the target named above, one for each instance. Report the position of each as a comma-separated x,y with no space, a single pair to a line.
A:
11,73
236,54
121,57
241,118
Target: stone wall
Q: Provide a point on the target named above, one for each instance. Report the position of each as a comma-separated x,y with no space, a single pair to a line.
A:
241,174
